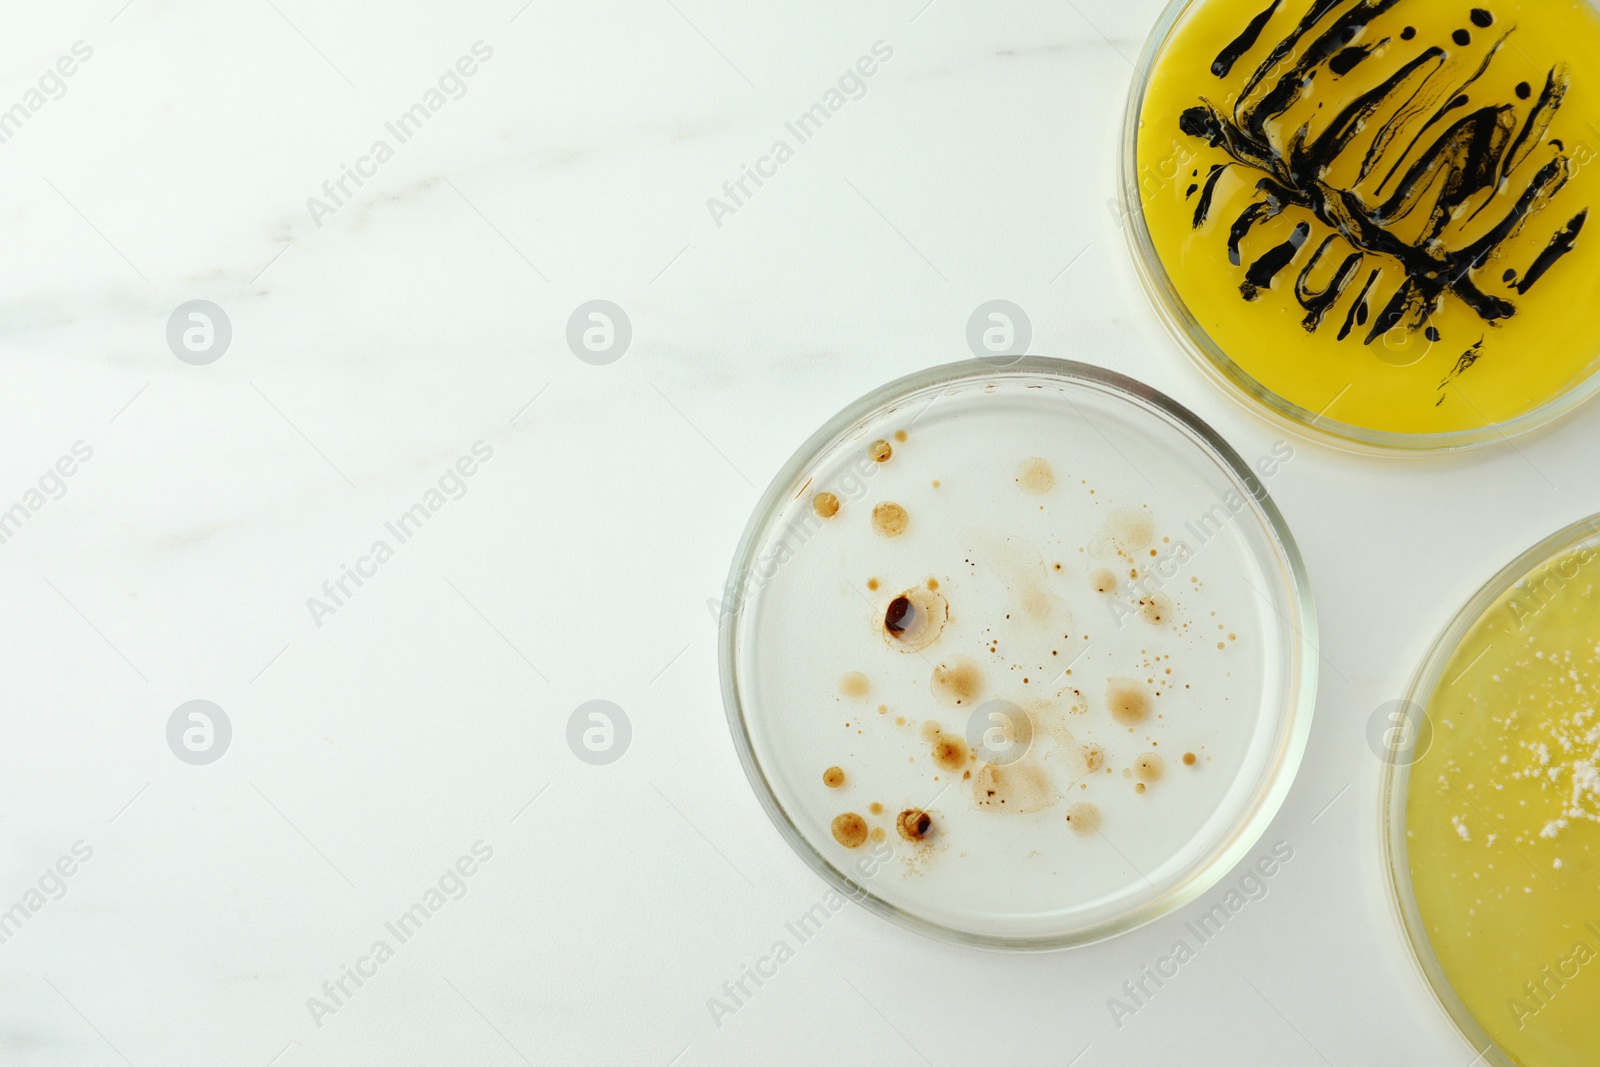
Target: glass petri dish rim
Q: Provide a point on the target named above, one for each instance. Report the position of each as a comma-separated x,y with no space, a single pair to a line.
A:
1397,777
1294,718
1221,369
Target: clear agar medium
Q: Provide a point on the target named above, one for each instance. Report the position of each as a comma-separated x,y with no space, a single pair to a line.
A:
1019,656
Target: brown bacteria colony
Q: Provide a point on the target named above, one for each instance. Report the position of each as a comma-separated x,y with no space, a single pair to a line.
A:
914,824
1035,476
1084,818
957,682
916,619
855,684
1149,767
1127,701
850,830
950,751
890,519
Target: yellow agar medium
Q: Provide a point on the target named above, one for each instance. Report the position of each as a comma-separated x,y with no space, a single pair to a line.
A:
1500,324
1503,818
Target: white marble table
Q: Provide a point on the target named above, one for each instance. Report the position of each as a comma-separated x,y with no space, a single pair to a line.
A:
418,321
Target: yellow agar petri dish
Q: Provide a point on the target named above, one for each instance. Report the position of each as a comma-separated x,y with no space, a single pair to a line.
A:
1371,216
1493,809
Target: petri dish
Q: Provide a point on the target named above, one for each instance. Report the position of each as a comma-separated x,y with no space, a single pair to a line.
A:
1372,227
1019,656
1491,809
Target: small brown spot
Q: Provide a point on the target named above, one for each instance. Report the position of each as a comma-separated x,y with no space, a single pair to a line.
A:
1138,787
880,451
890,519
1188,759
1035,476
900,435
833,777
1149,767
1094,757
855,684
936,483
914,824
933,583
1128,701
1084,818
825,505
877,833
875,808
1104,580
872,583
849,829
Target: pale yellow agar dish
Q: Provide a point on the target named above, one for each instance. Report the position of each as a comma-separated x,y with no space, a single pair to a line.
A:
1503,818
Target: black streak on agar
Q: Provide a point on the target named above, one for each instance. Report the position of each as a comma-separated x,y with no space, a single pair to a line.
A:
1559,246
1263,270
1318,301
1433,179
1203,208
1347,60
1463,364
1358,310
1243,43
1538,121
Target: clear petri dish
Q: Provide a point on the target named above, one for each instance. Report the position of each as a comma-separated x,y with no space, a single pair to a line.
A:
1371,227
1491,808
1019,656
